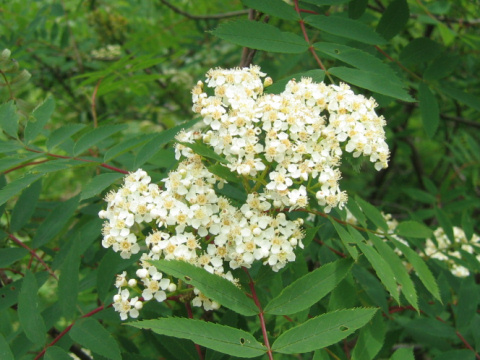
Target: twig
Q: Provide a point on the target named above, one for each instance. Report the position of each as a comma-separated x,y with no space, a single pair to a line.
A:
310,48
190,316
94,106
106,166
467,345
34,254
8,85
204,17
260,314
318,241
25,165
247,53
67,329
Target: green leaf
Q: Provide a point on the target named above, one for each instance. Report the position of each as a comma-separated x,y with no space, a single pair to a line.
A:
279,86
347,28
154,145
55,222
110,265
277,8
463,354
59,164
56,353
5,352
372,287
29,312
394,19
12,161
358,58
346,239
221,338
9,293
429,110
322,331
421,269
398,269
15,186
260,36
10,255
310,235
10,146
68,282
9,118
420,50
356,8
460,95
403,354
370,340
441,67
326,2
382,269
94,136
41,115
420,195
98,184
212,286
372,81
25,206
205,151
413,229
224,173
309,289
468,300
372,213
445,224
91,335
125,146
58,136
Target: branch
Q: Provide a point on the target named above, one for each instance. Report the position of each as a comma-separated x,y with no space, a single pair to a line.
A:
190,316
204,17
67,329
106,166
260,314
34,254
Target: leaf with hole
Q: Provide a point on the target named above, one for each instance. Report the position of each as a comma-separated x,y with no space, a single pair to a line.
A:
224,339
322,331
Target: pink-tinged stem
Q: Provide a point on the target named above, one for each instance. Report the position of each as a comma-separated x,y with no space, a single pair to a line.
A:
260,315
67,329
190,316
34,254
106,166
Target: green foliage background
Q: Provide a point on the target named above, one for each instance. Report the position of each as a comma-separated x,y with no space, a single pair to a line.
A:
75,116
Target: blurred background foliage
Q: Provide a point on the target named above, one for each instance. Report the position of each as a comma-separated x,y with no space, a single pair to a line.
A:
132,64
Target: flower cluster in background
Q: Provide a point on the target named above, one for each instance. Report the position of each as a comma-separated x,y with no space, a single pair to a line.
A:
444,250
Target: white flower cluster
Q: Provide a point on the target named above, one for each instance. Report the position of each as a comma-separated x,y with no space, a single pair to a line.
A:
443,249
109,52
190,222
293,138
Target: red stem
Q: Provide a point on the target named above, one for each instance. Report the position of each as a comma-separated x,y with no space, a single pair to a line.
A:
24,165
190,316
260,314
67,329
467,345
106,166
34,254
